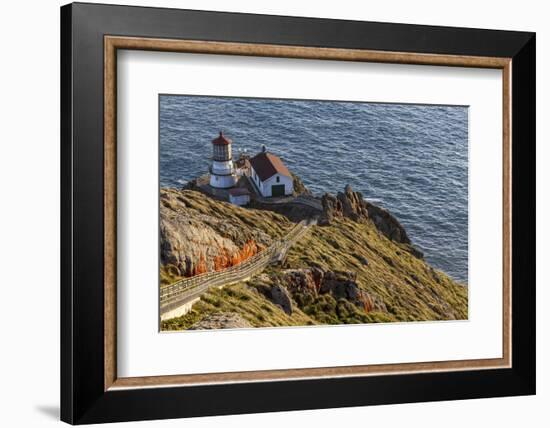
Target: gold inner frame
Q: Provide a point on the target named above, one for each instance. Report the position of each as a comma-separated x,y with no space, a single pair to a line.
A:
113,43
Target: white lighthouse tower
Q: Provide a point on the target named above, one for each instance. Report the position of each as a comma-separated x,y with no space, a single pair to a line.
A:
222,170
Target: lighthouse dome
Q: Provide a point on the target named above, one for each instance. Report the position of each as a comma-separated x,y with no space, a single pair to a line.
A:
221,148
221,140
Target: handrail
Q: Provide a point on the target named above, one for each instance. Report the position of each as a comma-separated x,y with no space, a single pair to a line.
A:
185,287
198,278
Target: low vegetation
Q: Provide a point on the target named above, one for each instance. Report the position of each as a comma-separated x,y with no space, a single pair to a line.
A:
244,300
410,289
392,282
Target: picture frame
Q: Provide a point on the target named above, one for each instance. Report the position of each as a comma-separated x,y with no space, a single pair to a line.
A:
91,390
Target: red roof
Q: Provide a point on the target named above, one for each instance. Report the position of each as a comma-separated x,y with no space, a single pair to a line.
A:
267,165
221,140
239,191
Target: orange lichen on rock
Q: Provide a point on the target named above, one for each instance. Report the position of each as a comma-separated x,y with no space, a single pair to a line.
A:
225,260
222,260
201,266
249,249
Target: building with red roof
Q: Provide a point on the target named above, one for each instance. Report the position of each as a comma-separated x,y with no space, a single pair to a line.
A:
270,175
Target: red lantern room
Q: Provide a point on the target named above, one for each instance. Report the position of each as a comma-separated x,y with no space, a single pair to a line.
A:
222,170
221,148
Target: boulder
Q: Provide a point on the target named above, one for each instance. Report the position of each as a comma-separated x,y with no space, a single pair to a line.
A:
343,285
303,280
281,297
362,259
387,224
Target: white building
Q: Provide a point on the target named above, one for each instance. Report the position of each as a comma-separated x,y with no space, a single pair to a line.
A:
222,170
239,196
270,175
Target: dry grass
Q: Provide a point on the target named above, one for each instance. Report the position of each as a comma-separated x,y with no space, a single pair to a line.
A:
243,300
410,289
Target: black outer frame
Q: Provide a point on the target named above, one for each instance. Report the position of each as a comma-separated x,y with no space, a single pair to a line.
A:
83,399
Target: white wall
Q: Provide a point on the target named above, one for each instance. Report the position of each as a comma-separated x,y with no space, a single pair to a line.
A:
271,181
219,167
29,165
256,179
265,186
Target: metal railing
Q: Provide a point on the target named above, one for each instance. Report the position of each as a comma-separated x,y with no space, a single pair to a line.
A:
187,289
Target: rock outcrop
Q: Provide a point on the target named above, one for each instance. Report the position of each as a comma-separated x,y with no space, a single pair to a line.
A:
195,234
347,204
186,242
332,208
387,224
303,280
339,284
352,205
343,285
280,296
299,186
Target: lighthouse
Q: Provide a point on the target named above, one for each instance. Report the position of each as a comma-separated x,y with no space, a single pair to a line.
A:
222,170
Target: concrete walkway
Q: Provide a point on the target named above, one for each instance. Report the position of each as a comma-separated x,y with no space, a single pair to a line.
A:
178,298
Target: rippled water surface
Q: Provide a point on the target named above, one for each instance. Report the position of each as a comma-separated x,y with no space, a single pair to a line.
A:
411,159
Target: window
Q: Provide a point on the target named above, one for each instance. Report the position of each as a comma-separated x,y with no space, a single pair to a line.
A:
278,179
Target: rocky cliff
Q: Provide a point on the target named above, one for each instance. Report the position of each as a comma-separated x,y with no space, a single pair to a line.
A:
352,205
196,232
358,266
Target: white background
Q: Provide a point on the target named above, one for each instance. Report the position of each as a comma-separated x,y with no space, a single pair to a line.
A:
144,352
29,226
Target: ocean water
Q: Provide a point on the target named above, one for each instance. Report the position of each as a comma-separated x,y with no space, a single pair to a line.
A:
410,159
